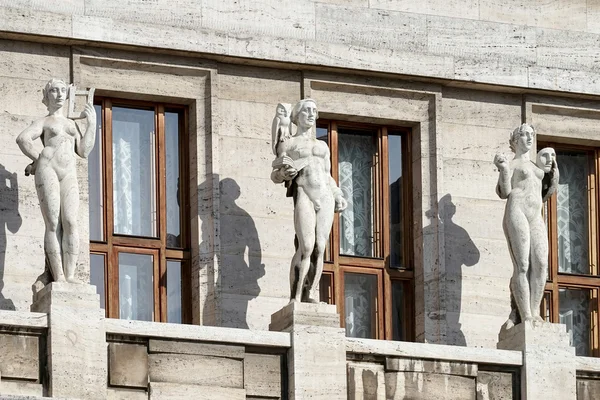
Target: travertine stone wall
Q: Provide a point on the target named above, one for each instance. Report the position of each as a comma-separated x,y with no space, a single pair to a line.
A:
169,369
534,44
411,378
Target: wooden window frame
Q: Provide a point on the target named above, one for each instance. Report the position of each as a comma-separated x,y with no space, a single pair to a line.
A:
557,280
112,244
337,264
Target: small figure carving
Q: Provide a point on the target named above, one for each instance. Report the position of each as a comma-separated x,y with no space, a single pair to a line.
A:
56,175
526,186
303,163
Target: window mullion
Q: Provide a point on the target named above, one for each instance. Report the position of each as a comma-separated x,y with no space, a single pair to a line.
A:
161,265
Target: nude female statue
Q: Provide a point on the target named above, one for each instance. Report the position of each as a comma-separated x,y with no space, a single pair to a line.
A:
56,176
526,186
304,163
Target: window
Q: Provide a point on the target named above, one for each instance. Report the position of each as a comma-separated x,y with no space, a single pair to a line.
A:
139,245
573,283
368,271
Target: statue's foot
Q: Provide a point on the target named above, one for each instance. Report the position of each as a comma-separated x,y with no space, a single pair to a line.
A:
538,319
293,300
60,278
313,301
72,279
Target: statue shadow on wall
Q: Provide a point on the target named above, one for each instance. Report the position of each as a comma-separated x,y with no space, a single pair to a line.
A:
10,220
460,251
240,268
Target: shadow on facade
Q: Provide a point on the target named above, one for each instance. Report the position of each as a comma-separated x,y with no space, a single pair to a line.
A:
234,265
10,220
460,250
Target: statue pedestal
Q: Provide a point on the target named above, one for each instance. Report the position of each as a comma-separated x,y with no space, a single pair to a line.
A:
548,370
76,344
317,358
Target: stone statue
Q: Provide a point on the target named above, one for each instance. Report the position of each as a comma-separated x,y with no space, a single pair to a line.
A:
56,175
303,163
526,186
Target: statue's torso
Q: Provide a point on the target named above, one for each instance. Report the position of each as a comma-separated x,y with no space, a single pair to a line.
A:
526,187
59,146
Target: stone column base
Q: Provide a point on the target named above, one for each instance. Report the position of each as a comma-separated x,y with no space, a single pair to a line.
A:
548,370
317,358
76,345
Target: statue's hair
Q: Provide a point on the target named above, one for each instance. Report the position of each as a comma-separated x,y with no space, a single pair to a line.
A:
514,136
298,107
49,86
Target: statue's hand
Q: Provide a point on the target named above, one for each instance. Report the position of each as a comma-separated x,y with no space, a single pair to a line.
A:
30,169
501,162
89,113
340,203
289,173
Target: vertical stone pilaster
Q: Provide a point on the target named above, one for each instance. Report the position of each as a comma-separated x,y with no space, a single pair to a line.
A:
549,362
76,345
317,358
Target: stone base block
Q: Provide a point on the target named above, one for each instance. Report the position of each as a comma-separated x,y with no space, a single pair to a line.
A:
304,314
317,360
548,370
77,349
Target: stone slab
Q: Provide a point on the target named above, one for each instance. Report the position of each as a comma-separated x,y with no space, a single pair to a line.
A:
435,367
200,333
126,394
296,313
366,381
434,351
262,375
20,388
175,391
494,385
127,365
201,349
197,370
20,356
427,386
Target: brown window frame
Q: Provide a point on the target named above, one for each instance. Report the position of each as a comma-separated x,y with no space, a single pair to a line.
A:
336,265
114,244
559,280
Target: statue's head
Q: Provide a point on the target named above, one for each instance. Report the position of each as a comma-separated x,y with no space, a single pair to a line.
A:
545,157
54,93
305,114
522,138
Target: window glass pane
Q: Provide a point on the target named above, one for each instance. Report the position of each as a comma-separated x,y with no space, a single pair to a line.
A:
326,288
134,172
545,307
572,212
97,276
396,204
356,175
136,287
172,189
574,311
322,133
398,308
360,305
96,197
174,291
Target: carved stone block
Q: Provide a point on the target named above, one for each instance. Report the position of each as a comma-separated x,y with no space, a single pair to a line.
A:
128,365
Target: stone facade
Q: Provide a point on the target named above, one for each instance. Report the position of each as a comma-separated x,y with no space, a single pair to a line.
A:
460,75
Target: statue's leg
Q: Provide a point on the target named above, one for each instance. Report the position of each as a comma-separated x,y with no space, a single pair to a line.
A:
539,267
48,190
294,268
519,244
324,223
69,196
304,221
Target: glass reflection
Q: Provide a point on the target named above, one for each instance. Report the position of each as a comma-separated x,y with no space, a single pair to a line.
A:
360,305
97,277
95,181
174,291
136,287
574,312
172,182
396,204
134,172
